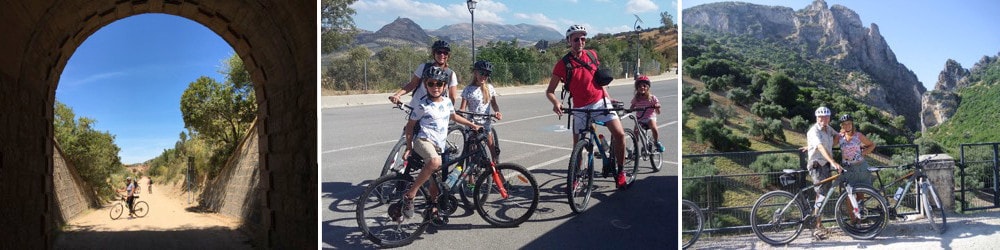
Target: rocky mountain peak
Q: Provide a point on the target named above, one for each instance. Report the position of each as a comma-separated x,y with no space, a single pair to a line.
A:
833,34
952,77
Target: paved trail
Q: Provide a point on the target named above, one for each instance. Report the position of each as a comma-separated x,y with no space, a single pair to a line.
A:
170,224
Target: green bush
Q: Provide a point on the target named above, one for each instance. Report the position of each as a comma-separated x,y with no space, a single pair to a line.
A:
773,163
799,123
701,189
765,110
721,138
740,96
721,111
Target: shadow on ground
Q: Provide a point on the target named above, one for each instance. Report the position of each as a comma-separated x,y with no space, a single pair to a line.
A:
181,238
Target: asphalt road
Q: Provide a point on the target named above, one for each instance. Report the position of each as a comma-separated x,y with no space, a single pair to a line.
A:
356,141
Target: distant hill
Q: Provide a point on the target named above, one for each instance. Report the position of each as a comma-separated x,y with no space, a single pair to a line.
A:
405,32
964,104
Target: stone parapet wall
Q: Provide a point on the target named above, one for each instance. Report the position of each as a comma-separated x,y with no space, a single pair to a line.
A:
73,196
235,191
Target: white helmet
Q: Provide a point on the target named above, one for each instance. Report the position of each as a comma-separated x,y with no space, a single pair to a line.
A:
822,111
576,28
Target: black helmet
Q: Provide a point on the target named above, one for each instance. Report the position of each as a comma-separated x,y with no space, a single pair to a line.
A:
846,117
483,65
436,73
441,44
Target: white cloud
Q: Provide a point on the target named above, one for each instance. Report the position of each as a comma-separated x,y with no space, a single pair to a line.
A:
538,19
94,78
640,6
486,11
615,29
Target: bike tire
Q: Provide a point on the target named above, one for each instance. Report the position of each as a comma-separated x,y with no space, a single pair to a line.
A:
521,201
140,208
691,223
932,207
631,163
372,212
873,209
655,156
395,157
496,143
116,210
579,177
768,209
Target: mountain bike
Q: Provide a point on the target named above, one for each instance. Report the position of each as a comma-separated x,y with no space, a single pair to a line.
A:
692,220
778,217
396,162
140,208
928,202
580,178
470,169
505,195
647,149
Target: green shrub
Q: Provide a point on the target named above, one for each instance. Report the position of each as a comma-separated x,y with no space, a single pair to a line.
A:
701,189
799,123
773,163
740,96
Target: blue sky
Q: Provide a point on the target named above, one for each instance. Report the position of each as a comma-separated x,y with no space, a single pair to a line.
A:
130,75
923,34
603,16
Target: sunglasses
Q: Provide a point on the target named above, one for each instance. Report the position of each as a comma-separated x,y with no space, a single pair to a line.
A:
441,52
580,39
484,73
435,83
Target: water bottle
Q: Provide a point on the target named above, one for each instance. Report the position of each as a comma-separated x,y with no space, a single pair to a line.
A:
604,143
453,176
899,193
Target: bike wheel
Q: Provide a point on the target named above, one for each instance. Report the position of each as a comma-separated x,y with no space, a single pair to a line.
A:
691,223
932,207
777,218
473,167
378,212
521,200
116,210
655,156
580,177
456,137
140,209
631,163
395,160
871,217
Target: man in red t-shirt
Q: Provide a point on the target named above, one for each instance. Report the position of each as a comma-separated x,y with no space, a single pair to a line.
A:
586,95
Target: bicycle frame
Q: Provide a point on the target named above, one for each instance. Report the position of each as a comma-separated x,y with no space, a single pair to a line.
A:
590,134
479,137
912,177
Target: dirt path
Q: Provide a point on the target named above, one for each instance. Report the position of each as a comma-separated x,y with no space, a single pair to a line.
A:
170,224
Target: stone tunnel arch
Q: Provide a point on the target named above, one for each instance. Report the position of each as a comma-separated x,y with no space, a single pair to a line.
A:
277,42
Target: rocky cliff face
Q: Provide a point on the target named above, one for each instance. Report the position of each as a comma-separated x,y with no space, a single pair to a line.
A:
398,33
831,34
940,104
526,33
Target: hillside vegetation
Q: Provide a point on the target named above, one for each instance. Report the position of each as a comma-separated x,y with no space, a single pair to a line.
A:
977,116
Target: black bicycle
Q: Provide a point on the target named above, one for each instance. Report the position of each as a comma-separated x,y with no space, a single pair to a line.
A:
926,201
778,216
692,222
580,178
396,161
647,150
139,208
505,195
470,169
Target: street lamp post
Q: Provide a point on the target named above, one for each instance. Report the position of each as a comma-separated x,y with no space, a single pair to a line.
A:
637,28
472,7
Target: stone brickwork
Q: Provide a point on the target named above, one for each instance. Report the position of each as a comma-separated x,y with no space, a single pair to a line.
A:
73,196
941,172
276,40
235,191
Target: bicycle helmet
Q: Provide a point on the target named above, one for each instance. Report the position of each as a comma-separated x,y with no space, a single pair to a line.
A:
436,73
441,44
576,28
483,65
128,178
641,79
822,111
846,117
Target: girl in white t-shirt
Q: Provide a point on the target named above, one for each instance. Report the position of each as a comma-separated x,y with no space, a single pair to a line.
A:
480,98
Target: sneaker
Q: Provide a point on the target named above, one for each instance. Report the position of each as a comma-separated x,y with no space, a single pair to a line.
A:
659,147
407,207
621,179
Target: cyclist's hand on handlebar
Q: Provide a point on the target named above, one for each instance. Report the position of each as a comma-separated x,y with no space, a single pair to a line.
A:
836,166
476,128
394,99
557,109
498,115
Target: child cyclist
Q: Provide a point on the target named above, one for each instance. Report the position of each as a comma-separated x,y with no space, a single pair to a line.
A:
480,98
431,114
644,99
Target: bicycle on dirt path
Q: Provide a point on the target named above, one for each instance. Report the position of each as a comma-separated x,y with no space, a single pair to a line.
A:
778,216
580,178
504,195
140,208
928,202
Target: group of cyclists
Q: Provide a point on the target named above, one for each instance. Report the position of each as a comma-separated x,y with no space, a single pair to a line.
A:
433,81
